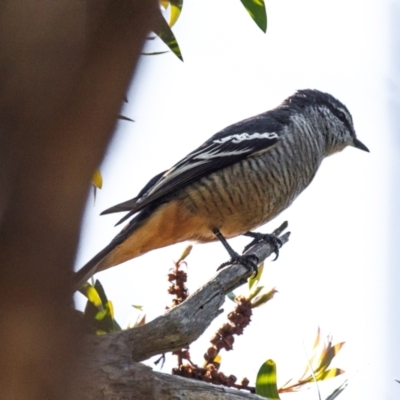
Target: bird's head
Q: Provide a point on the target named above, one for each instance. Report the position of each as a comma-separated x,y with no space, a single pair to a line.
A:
331,114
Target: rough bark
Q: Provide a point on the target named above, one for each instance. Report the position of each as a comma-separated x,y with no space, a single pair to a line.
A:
112,359
65,67
135,381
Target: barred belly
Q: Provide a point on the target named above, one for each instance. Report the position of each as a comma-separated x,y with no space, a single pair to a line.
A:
247,194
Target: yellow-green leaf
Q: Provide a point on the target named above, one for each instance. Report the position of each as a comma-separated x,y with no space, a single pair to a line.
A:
314,355
265,297
330,373
110,308
101,315
217,359
164,3
317,338
256,278
93,296
176,8
254,292
266,381
337,391
327,356
257,11
99,312
185,253
165,33
97,180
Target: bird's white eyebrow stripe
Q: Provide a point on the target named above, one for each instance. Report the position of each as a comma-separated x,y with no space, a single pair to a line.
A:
240,137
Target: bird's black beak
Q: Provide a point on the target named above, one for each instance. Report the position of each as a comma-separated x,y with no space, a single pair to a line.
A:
358,145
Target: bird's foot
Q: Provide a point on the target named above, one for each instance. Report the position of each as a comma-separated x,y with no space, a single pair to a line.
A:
250,261
273,240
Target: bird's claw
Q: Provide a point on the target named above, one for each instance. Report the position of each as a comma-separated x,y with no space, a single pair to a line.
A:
273,240
250,261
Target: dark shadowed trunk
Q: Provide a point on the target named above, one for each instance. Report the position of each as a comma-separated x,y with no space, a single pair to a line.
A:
65,68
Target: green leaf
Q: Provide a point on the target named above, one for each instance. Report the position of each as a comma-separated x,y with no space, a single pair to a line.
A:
329,373
317,338
257,11
327,356
337,391
176,8
266,381
154,53
165,33
185,253
93,296
315,354
254,292
256,278
231,296
125,118
100,290
265,297
97,180
164,4
99,313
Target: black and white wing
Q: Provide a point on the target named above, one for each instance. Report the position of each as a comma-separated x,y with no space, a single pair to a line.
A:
131,204
234,143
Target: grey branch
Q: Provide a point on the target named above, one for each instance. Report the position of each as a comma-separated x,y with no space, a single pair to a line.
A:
125,380
179,327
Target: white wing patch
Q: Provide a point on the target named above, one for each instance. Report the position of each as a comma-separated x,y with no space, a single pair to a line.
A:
240,137
204,155
175,171
207,155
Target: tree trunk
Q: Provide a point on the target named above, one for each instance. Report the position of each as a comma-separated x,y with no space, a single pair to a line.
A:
65,68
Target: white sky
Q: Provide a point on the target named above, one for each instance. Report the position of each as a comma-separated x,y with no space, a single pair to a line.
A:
338,270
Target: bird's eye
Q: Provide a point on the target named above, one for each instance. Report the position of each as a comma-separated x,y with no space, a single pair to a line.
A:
341,115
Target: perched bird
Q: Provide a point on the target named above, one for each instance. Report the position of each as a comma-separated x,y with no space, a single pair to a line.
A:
239,179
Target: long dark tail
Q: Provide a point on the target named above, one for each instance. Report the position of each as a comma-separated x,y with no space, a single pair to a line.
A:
90,268
121,207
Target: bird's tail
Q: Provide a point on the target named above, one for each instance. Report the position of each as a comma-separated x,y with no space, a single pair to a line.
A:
102,260
125,206
90,268
156,226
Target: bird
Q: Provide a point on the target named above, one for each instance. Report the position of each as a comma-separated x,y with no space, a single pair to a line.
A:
236,181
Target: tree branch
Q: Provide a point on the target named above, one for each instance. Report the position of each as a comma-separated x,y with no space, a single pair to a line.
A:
128,380
179,327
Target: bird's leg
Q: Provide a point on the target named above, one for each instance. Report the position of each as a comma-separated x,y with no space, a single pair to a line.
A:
270,238
250,261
